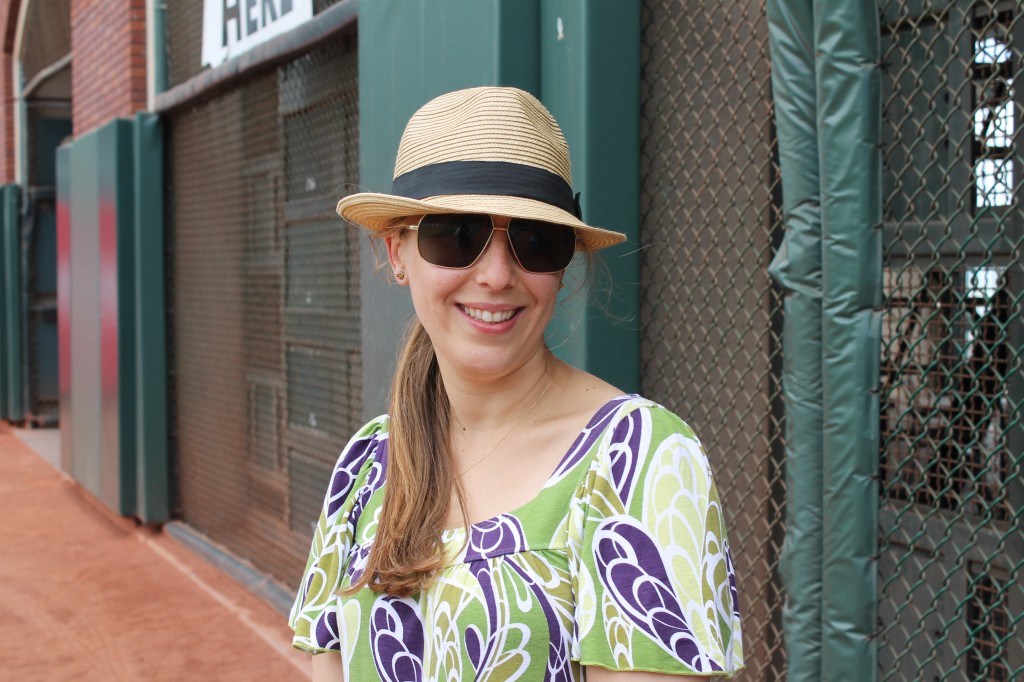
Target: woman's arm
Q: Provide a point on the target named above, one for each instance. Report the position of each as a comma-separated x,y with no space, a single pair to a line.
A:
598,674
327,668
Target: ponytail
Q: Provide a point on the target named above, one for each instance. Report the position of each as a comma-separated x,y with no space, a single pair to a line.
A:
407,551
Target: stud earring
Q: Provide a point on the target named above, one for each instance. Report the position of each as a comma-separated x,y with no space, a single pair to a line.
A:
400,275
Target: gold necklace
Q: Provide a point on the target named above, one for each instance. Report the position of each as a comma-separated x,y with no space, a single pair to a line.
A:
512,428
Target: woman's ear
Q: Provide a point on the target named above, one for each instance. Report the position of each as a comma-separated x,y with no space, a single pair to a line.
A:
394,245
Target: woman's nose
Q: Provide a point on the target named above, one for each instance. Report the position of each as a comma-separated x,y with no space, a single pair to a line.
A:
496,266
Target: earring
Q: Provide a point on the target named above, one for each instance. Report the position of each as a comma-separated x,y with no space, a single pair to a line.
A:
400,275
561,285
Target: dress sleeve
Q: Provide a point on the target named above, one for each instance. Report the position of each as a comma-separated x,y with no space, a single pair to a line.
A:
314,616
653,577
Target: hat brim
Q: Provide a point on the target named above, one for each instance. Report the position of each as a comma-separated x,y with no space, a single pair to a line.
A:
377,212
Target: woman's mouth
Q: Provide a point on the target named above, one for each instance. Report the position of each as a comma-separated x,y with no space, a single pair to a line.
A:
488,316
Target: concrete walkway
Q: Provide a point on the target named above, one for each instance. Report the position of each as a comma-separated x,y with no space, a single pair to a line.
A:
86,595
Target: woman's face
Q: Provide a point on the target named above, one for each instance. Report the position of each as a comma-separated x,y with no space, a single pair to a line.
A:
485,321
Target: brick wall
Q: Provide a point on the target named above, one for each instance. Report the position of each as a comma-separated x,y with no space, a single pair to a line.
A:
108,71
108,42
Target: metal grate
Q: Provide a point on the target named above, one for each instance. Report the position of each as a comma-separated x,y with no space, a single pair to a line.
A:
951,551
264,289
183,27
710,317
47,36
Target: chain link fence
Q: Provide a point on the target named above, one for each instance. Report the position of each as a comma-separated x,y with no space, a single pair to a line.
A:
951,552
710,317
264,303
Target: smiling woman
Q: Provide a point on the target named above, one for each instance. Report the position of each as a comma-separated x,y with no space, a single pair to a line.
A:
511,517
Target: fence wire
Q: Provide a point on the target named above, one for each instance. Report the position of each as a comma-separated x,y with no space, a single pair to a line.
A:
264,304
710,317
951,552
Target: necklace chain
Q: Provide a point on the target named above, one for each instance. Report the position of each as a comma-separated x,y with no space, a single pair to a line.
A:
512,428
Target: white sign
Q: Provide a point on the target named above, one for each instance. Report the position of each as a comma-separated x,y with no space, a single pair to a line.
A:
231,27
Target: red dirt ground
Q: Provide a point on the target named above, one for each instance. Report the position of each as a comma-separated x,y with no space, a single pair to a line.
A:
85,595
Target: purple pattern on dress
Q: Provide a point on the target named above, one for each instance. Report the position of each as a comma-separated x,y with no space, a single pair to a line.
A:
623,454
347,469
630,566
481,570
732,584
588,436
494,537
374,480
559,665
358,558
474,646
325,632
396,636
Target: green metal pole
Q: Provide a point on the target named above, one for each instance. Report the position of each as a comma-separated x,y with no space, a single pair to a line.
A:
847,44
12,304
797,267
590,80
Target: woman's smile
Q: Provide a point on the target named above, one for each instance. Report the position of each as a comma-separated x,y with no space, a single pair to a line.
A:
490,318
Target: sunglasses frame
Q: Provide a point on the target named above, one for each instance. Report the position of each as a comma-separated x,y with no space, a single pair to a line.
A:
508,241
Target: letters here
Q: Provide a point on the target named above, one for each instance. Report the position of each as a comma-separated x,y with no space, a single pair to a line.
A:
231,27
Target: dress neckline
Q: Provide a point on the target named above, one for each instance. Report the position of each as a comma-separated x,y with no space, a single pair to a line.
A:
580,446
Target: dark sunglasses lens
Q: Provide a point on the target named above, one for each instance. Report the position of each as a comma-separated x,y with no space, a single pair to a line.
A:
541,246
453,241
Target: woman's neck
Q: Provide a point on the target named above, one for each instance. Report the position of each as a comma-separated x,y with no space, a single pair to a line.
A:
483,405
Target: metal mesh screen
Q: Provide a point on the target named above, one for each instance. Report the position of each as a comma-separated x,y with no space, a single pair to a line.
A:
183,28
47,36
264,298
951,598
710,317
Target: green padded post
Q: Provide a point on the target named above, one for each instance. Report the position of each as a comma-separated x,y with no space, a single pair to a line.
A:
3,318
152,504
797,267
12,309
847,39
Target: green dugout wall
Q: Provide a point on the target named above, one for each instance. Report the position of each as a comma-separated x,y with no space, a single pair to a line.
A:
110,315
582,60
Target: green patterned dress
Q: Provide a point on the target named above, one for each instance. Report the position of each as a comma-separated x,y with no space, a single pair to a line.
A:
621,561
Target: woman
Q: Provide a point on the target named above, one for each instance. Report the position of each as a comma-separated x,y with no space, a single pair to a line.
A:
512,517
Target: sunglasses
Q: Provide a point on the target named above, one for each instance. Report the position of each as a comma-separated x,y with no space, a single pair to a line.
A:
456,241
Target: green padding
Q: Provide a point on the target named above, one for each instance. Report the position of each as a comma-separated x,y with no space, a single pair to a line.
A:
10,230
797,267
3,317
849,135
152,505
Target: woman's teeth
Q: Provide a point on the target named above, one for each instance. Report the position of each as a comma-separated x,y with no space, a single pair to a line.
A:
488,316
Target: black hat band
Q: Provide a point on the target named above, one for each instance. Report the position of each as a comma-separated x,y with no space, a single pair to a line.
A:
500,178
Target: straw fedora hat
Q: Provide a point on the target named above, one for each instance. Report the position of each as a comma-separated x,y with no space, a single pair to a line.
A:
484,150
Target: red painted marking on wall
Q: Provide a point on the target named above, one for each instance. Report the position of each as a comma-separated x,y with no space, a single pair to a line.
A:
64,296
108,291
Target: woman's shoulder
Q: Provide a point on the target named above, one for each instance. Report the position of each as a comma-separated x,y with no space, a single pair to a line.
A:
366,450
616,412
365,442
